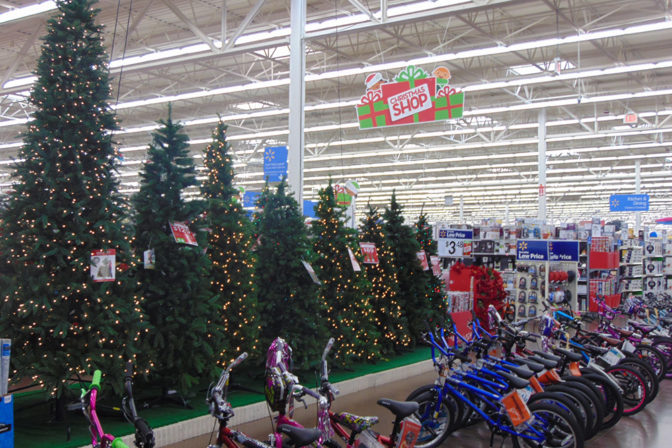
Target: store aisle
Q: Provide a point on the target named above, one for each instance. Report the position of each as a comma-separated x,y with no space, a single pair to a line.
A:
650,428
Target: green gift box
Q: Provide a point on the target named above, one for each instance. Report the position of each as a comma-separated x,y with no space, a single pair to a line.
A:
448,107
373,115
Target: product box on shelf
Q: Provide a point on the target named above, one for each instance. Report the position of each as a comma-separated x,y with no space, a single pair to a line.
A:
653,248
7,421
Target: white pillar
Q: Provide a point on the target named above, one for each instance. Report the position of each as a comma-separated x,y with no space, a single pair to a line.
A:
297,91
541,159
461,210
638,190
506,215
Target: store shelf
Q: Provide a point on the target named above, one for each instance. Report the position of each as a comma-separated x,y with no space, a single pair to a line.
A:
652,275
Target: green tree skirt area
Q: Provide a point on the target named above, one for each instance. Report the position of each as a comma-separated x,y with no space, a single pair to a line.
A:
32,412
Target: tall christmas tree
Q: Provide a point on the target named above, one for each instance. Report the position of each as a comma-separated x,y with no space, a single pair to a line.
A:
64,206
345,293
389,317
414,290
229,249
186,334
437,297
289,304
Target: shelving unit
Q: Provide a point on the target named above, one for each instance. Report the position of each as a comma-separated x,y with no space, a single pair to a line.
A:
604,266
653,266
631,269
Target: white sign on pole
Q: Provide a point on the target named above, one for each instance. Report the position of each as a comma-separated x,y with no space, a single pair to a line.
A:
455,243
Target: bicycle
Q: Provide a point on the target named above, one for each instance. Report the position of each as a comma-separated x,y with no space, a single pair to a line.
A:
222,410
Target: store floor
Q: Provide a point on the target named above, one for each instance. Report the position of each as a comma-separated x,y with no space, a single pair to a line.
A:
650,428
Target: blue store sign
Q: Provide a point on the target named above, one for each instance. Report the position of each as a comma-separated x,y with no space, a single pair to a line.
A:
532,250
629,203
563,251
275,163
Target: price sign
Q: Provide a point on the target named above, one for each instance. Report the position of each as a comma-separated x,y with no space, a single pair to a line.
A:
455,243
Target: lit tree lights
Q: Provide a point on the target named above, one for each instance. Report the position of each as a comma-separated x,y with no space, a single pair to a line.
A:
186,334
388,315
65,205
289,305
436,294
346,294
413,287
229,249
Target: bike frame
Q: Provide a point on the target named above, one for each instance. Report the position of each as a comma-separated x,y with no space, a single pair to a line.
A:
99,439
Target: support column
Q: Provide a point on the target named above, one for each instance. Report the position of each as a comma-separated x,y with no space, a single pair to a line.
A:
461,210
297,91
638,190
541,214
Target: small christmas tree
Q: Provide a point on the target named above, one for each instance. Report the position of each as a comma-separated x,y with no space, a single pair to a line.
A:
388,315
289,304
345,293
186,333
437,297
65,205
414,290
229,249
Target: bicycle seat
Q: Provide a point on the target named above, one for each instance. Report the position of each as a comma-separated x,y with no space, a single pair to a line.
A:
514,381
549,356
547,363
534,366
667,320
570,355
609,340
595,350
521,371
623,332
641,327
399,408
300,436
354,422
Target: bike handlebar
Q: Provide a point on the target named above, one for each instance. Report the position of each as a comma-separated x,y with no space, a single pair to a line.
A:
95,381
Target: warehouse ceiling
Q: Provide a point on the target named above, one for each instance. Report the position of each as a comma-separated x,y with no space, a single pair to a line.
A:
586,63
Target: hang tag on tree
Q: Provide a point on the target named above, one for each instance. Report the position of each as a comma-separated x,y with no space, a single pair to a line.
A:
149,259
355,265
422,258
436,265
182,233
370,253
103,267
311,272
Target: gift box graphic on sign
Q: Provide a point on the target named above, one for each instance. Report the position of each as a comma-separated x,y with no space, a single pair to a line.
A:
414,97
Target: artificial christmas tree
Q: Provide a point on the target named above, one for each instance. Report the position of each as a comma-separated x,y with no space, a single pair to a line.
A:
345,293
186,334
414,290
65,206
289,304
388,315
230,242
437,296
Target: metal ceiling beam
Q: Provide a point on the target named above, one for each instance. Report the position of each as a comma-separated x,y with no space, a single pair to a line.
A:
137,19
243,25
364,10
22,53
191,25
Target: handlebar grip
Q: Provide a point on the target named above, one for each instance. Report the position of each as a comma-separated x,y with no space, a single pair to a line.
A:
327,349
129,370
95,381
242,357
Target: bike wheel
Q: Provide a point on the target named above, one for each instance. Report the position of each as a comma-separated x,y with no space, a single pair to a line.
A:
634,388
588,416
613,400
648,375
597,408
553,422
434,419
566,403
455,408
654,357
664,345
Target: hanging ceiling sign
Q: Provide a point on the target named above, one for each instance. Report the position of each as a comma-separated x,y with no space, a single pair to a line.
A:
275,163
414,96
629,203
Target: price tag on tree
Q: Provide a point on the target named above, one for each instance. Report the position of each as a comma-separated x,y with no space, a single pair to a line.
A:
455,243
370,253
182,234
355,265
422,258
103,265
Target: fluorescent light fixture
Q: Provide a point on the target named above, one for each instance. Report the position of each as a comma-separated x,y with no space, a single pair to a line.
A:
27,11
533,69
28,80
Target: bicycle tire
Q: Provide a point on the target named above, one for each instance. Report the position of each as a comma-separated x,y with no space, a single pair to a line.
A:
455,408
589,389
434,429
563,401
654,357
647,373
634,388
590,421
613,399
664,345
554,422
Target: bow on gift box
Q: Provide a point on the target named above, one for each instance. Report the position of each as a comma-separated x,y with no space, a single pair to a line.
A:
371,97
445,91
411,73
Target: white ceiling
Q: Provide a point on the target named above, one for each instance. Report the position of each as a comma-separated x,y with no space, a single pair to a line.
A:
499,51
